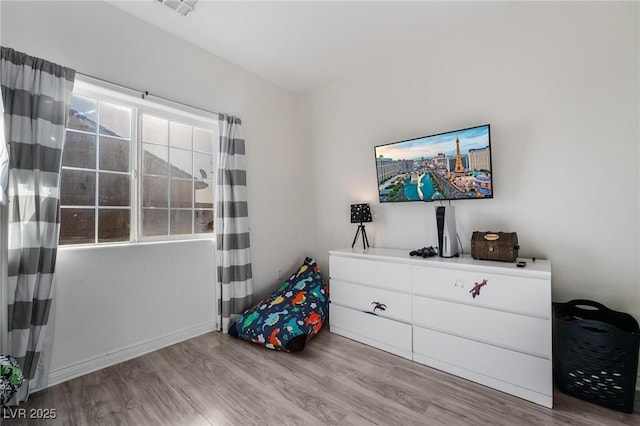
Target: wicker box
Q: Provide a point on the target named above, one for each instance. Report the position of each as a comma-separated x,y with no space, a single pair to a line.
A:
595,353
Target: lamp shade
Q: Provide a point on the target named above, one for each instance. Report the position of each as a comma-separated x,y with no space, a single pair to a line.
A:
360,213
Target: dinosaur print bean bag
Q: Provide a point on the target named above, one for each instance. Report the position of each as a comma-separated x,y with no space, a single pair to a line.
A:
291,315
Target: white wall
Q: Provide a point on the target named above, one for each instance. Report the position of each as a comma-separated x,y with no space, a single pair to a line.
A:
100,40
113,303
559,84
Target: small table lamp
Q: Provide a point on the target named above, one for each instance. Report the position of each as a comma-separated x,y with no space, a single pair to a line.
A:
360,213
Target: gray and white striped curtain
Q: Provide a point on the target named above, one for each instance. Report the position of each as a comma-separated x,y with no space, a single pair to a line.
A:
233,258
36,96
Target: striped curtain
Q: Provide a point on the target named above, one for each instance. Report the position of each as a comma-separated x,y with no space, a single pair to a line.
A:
233,259
36,96
4,160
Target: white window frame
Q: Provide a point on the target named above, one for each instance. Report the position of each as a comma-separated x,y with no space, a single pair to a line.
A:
109,92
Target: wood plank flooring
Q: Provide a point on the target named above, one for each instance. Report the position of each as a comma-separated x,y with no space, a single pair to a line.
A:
217,380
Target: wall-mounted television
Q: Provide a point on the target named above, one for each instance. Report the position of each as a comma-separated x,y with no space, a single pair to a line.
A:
454,165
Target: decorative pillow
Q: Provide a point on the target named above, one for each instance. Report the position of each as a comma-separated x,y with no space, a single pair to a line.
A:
291,315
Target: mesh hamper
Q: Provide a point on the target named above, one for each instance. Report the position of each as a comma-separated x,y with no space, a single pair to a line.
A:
595,353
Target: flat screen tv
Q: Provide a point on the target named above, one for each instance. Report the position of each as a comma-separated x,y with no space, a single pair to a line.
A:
454,165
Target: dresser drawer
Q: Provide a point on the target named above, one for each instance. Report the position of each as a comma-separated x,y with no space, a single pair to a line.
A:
362,298
388,335
513,331
525,295
392,276
459,355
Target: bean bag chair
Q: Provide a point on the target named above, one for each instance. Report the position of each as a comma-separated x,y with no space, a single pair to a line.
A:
291,315
11,379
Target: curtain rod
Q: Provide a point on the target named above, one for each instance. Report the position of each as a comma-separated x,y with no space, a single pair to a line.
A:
145,94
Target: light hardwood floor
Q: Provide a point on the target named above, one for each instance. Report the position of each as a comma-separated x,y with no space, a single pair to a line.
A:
217,380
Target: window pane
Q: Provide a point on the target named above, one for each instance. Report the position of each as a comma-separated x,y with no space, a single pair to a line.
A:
154,222
115,120
203,221
154,191
204,194
154,130
114,154
180,222
180,136
77,188
113,225
203,140
82,114
180,163
77,226
114,190
181,193
79,150
155,160
203,166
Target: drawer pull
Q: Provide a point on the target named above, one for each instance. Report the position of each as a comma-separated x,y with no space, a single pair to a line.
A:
378,305
475,291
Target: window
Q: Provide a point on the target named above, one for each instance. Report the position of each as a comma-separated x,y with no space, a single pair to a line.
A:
111,135
177,178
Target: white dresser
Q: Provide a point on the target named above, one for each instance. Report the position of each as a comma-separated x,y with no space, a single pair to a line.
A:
424,310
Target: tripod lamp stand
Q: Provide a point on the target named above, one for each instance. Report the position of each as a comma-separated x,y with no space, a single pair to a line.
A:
361,213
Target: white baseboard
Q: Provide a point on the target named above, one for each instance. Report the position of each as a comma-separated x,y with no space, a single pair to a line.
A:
124,354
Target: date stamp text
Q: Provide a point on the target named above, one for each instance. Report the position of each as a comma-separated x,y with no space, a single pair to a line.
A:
29,413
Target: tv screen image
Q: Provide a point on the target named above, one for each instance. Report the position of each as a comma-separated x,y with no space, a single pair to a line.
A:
454,165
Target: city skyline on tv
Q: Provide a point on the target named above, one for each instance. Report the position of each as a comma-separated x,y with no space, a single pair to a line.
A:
431,146
447,166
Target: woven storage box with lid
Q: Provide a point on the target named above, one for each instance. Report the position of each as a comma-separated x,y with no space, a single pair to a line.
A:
595,353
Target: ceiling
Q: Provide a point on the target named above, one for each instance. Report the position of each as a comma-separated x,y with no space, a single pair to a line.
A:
300,45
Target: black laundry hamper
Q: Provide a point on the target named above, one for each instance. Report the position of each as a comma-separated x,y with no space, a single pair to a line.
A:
595,353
